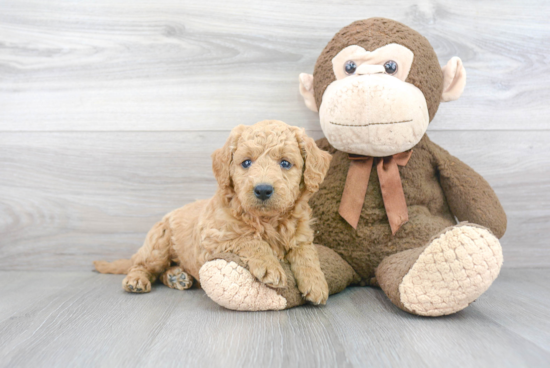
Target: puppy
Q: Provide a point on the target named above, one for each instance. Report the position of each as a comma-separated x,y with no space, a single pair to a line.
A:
266,174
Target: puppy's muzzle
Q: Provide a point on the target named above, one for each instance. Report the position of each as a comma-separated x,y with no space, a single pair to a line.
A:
263,191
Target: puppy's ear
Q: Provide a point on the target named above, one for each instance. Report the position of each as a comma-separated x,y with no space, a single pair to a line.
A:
222,157
316,161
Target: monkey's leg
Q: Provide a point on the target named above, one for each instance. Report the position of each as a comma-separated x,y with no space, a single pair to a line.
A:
150,261
227,281
446,275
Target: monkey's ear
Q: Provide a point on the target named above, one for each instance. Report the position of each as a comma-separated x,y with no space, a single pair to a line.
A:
222,157
306,90
454,79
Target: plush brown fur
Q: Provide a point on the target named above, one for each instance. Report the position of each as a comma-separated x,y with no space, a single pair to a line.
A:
235,221
437,188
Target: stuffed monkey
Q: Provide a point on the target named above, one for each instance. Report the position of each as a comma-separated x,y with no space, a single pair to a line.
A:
395,211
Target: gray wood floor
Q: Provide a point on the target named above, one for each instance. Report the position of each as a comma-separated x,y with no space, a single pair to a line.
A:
67,319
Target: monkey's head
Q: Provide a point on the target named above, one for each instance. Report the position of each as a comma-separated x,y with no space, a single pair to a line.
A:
377,85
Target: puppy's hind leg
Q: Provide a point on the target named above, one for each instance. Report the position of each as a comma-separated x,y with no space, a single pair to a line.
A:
176,278
152,259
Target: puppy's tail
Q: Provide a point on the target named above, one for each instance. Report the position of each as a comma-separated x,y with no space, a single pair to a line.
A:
119,267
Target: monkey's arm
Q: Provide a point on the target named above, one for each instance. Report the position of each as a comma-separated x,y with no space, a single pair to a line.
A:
469,196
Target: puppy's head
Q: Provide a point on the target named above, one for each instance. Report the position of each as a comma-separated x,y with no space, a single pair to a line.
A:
269,166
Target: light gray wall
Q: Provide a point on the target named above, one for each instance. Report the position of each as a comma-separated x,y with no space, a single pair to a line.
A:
109,110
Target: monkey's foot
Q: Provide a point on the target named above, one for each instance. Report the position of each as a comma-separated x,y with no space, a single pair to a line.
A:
232,286
176,278
445,276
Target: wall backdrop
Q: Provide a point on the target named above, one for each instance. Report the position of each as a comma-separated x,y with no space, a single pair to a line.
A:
109,110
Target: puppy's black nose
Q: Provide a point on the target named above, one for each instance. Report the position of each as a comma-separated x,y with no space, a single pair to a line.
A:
263,191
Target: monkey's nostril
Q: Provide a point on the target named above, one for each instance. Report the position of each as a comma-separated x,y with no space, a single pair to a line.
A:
263,191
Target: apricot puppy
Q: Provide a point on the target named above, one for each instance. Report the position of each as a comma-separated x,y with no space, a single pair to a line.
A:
266,174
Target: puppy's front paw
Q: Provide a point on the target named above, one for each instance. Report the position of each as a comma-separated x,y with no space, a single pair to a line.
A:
313,286
269,272
136,282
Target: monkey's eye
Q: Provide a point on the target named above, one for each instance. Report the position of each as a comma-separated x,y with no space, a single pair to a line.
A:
246,164
350,67
285,164
390,66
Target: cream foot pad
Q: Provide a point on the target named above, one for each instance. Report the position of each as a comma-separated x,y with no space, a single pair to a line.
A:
455,269
234,287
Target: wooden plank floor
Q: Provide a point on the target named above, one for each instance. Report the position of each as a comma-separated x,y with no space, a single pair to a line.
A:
82,319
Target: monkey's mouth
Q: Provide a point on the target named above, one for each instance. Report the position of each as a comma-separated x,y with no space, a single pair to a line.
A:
369,124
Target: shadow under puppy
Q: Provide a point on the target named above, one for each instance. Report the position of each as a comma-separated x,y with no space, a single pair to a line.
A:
266,174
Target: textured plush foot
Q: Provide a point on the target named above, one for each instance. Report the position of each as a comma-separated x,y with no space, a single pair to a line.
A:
233,287
452,271
136,282
176,278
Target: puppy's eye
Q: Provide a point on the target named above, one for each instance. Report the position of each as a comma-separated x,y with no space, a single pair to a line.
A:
350,67
246,164
285,164
390,66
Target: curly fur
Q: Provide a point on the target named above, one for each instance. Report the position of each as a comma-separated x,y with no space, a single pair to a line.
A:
235,221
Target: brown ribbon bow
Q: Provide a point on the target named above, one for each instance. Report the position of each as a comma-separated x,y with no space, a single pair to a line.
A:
357,183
